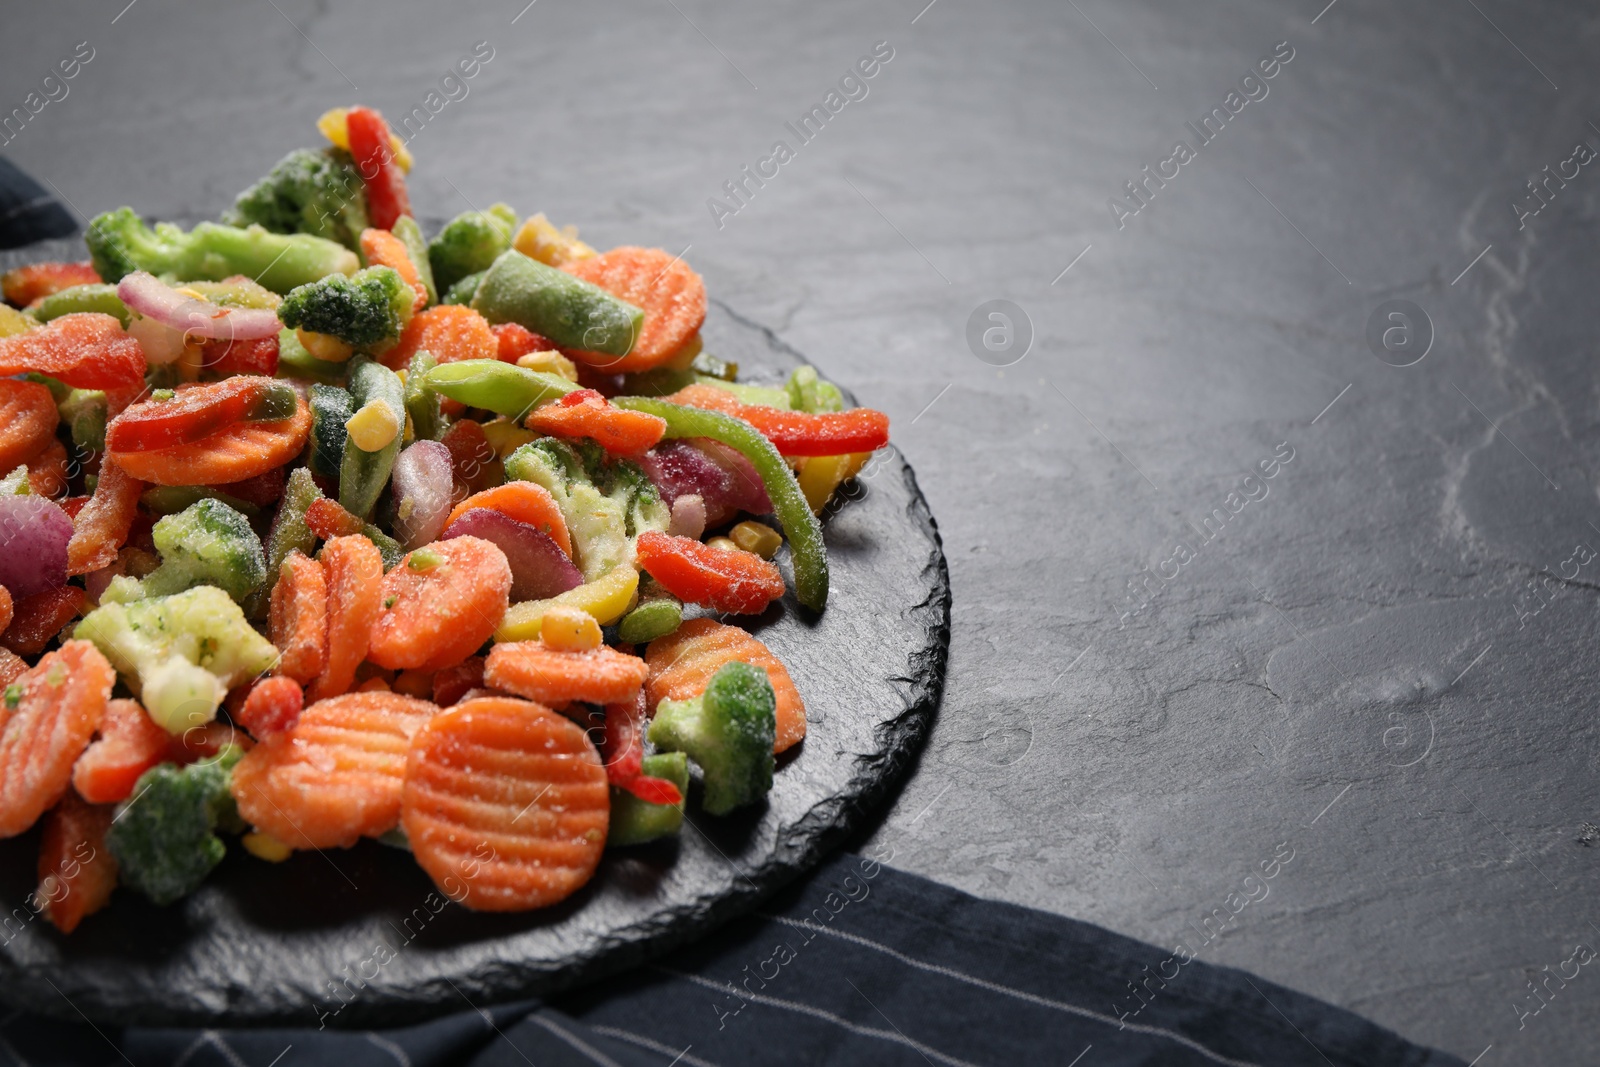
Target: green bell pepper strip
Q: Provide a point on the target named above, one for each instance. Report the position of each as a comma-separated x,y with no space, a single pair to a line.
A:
557,305
410,235
363,474
96,297
800,526
503,388
422,403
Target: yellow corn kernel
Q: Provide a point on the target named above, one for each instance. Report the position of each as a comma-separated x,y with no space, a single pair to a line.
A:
756,537
539,239
324,346
13,322
723,543
374,426
569,629
505,436
606,598
551,362
266,847
821,475
333,127
190,363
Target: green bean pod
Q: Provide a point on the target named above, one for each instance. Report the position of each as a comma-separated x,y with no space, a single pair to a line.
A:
557,305
800,526
363,474
503,388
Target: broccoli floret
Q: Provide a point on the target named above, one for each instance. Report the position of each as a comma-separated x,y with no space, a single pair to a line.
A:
729,731
607,505
207,543
120,243
320,193
163,836
366,309
464,290
469,243
180,653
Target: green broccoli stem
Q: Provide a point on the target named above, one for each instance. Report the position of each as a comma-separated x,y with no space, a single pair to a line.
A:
120,243
635,821
800,525
503,388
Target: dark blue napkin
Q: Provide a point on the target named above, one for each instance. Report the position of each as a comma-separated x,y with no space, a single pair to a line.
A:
28,213
861,964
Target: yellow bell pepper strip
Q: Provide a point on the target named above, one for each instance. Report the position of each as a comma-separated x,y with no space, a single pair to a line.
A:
607,598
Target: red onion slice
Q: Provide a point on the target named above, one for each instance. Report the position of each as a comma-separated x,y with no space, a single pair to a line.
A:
539,569
422,488
33,545
151,297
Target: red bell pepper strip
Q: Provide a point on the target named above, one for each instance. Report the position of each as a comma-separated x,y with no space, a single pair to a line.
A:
623,752
387,198
795,433
724,579
36,281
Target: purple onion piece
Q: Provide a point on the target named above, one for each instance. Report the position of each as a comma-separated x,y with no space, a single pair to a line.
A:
33,545
539,569
688,516
720,476
422,488
154,299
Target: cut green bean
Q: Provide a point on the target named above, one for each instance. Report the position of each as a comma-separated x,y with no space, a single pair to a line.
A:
503,388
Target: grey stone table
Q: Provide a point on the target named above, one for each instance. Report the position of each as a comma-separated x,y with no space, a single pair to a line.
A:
1168,668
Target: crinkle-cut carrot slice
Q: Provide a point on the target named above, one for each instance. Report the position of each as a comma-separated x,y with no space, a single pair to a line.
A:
336,775
272,706
240,451
505,804
35,281
48,471
76,871
449,332
129,744
555,676
724,579
440,604
380,248
86,350
27,421
38,618
585,413
682,663
664,287
62,702
527,502
297,617
101,527
353,568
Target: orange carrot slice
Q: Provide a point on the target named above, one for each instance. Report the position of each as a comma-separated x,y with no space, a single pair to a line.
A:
63,700
334,777
440,604
682,663
5,608
38,618
86,350
585,413
354,570
527,502
671,295
27,422
450,332
273,706
380,248
555,676
327,519
101,527
12,667
129,744
76,871
35,281
297,617
240,451
453,683
505,804
48,471
517,341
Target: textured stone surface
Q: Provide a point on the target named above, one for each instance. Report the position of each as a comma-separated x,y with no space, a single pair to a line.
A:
1137,785
261,942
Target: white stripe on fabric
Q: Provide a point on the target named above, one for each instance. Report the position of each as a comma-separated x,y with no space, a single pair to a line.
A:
995,987
826,1016
594,1055
391,1048
220,1043
653,1045
187,1054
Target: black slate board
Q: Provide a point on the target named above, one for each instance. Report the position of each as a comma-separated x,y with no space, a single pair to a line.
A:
361,937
